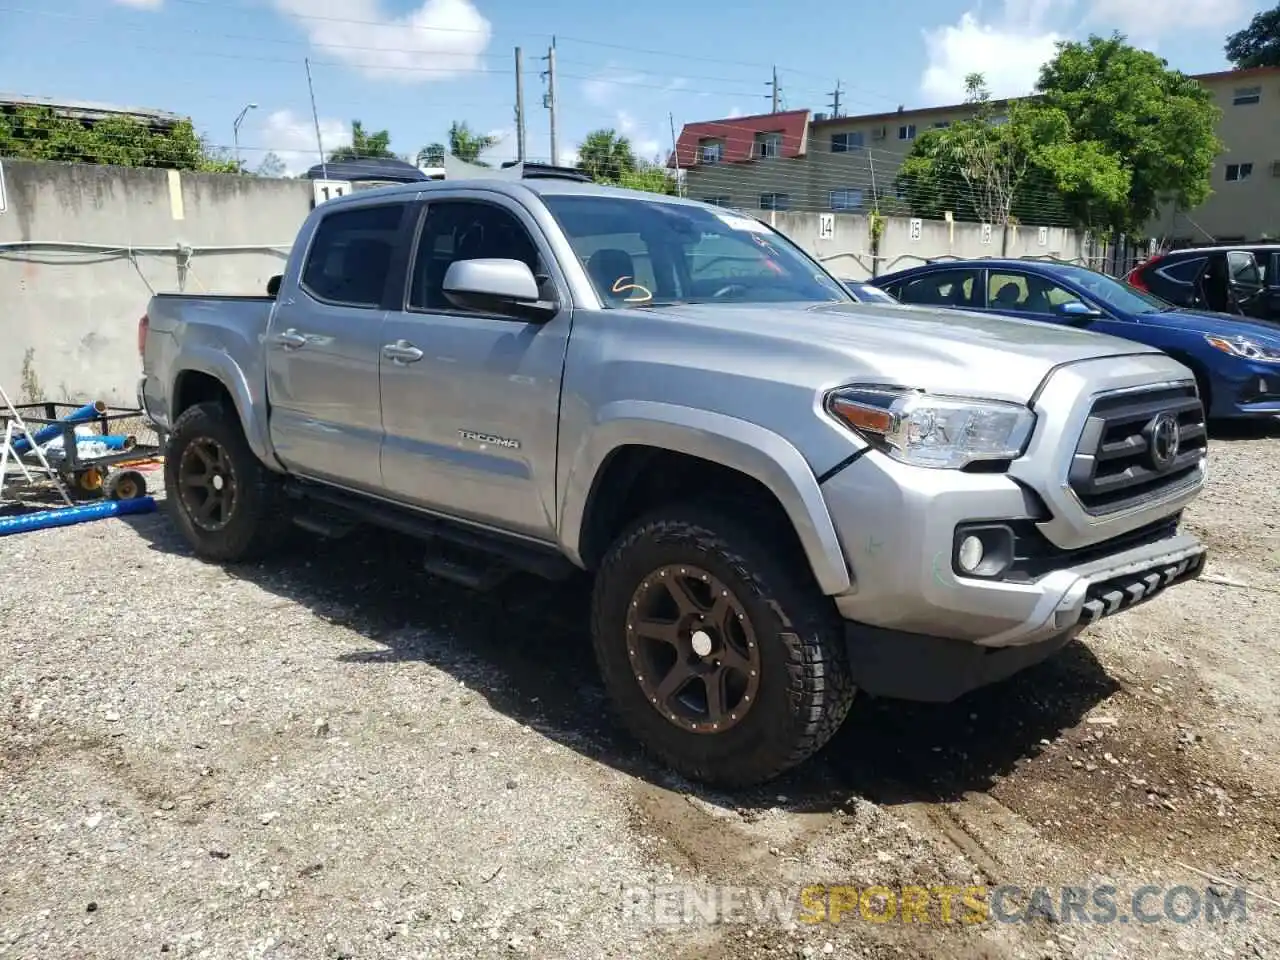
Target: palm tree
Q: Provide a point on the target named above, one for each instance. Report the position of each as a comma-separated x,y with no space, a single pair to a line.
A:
606,157
467,145
364,145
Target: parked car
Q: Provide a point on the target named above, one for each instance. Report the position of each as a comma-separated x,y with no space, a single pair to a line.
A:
782,496
865,292
1223,279
1236,362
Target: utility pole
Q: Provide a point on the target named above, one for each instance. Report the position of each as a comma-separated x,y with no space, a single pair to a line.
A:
774,85
519,106
835,101
315,116
549,98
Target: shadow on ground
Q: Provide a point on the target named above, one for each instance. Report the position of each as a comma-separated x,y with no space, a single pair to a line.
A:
526,649
1227,431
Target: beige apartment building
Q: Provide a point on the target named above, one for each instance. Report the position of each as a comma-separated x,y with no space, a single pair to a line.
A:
796,160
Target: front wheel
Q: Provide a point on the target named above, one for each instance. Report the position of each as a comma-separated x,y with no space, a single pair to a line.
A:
226,502
720,659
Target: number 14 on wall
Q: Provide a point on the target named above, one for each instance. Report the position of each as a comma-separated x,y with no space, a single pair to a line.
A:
328,189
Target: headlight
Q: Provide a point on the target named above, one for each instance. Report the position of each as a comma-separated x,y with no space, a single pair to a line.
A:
930,431
1244,347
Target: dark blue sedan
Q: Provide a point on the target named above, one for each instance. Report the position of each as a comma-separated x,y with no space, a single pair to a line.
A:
1236,362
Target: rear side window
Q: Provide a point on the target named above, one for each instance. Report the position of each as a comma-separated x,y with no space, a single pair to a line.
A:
350,257
1183,271
947,288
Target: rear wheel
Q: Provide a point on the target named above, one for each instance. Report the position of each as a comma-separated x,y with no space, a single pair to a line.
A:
228,505
720,660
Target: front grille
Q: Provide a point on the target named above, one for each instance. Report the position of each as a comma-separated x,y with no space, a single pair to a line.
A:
1122,458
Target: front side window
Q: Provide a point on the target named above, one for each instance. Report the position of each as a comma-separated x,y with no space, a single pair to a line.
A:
350,256
1027,293
467,230
640,252
946,288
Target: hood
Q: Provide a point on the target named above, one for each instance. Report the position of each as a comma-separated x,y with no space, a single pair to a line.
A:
940,350
1217,324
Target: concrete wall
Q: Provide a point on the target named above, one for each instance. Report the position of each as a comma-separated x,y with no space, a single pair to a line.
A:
69,316
848,252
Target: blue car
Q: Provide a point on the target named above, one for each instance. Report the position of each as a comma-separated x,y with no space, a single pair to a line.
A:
865,292
1236,362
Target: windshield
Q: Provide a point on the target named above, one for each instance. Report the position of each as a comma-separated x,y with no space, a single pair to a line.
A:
1113,293
641,252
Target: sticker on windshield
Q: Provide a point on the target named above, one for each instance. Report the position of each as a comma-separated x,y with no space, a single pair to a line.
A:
742,223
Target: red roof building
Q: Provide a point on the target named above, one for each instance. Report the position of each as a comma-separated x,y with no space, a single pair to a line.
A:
738,139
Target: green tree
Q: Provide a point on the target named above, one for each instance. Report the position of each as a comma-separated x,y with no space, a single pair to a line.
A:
364,145
271,166
606,157
1124,103
37,133
1258,44
467,145
432,155
651,177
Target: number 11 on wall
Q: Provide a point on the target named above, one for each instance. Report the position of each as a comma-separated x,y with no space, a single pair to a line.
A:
329,189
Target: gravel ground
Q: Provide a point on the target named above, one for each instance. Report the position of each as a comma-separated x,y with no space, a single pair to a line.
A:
333,755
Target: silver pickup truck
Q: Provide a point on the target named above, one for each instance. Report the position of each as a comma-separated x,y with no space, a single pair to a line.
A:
782,495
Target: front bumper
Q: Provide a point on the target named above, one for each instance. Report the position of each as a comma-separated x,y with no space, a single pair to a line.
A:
897,528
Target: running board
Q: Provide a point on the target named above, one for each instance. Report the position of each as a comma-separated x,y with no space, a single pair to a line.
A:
501,552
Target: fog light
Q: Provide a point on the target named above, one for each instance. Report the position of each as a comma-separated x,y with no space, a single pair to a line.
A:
971,553
982,550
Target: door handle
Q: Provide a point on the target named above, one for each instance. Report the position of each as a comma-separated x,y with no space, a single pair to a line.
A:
291,339
402,351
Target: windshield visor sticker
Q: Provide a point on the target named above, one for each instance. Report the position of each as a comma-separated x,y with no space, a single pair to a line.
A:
639,293
742,223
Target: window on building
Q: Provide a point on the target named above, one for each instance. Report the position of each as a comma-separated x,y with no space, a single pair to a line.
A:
1239,171
710,152
1244,96
847,142
849,198
775,201
722,201
907,131
768,145
350,256
942,124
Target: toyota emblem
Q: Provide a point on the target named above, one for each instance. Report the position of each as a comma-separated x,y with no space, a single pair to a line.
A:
1165,436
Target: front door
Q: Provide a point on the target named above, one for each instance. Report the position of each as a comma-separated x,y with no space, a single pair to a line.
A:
470,400
323,348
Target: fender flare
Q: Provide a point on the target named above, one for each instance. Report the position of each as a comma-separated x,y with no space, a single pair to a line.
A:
250,411
728,441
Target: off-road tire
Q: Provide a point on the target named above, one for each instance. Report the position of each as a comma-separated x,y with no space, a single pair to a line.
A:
805,687
260,522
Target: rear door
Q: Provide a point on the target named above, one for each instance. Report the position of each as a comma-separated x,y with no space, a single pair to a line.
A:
960,287
324,344
471,400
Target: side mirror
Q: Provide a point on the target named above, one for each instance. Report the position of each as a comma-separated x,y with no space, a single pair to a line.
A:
1078,310
496,286
273,286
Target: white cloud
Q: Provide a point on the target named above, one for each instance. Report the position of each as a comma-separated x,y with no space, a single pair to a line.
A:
1008,45
1007,52
292,138
141,4
435,41
735,112
644,146
606,87
1143,22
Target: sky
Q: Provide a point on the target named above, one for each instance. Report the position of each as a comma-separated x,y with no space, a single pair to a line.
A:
413,66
